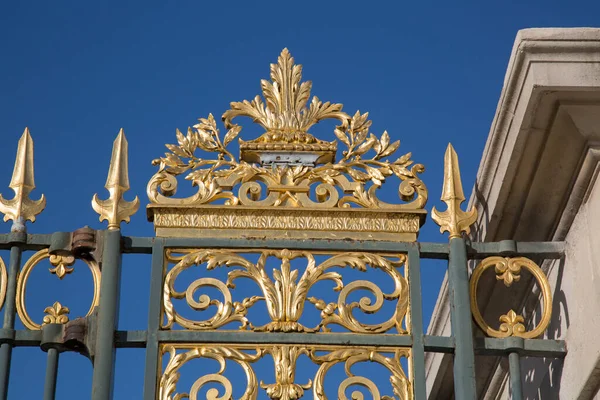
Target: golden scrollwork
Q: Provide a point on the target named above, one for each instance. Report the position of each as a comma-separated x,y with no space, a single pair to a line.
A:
284,360
57,313
171,375
286,294
508,270
3,282
400,383
286,117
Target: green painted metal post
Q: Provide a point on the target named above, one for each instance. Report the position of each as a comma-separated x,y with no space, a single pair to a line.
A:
514,367
462,328
108,315
416,314
154,318
10,308
51,374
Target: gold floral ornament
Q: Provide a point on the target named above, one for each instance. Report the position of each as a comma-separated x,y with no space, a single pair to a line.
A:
21,208
57,314
286,167
284,360
286,294
508,270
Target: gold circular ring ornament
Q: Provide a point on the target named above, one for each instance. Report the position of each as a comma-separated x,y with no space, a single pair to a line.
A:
56,313
509,270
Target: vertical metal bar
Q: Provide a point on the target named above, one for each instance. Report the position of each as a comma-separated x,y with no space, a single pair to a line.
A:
462,329
416,320
51,374
108,315
154,318
10,309
514,367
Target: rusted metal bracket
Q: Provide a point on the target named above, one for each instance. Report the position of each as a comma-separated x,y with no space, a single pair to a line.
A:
81,243
78,335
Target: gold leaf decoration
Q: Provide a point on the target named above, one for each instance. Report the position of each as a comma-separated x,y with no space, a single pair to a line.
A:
287,114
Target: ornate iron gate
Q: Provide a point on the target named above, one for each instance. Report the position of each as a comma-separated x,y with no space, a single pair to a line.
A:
282,219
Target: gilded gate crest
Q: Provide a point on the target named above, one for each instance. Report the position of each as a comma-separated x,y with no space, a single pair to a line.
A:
287,182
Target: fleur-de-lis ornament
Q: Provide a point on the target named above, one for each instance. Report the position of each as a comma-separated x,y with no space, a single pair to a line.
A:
453,220
21,208
116,209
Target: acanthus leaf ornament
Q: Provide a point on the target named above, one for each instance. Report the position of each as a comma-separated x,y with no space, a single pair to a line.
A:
286,293
21,208
453,220
286,167
116,209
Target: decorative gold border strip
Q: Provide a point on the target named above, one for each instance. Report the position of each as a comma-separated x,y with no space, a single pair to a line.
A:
222,221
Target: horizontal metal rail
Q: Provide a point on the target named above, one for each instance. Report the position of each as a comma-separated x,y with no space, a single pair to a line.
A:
438,344
428,250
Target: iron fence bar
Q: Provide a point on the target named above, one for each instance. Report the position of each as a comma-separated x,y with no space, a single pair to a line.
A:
10,310
478,250
19,338
438,344
51,374
430,250
526,348
138,244
30,242
416,323
154,318
341,339
462,329
308,244
514,368
108,315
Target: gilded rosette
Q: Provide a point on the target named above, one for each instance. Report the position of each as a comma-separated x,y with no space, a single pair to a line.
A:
287,183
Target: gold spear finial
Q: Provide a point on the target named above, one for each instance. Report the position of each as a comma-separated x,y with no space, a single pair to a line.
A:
453,220
116,209
21,208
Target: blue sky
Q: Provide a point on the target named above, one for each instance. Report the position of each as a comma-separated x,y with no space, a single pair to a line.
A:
428,72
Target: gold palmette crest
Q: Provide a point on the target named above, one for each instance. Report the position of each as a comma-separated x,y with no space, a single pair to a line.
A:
453,220
116,209
286,168
21,208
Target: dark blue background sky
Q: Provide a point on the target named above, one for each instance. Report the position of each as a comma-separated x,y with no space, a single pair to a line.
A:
75,72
